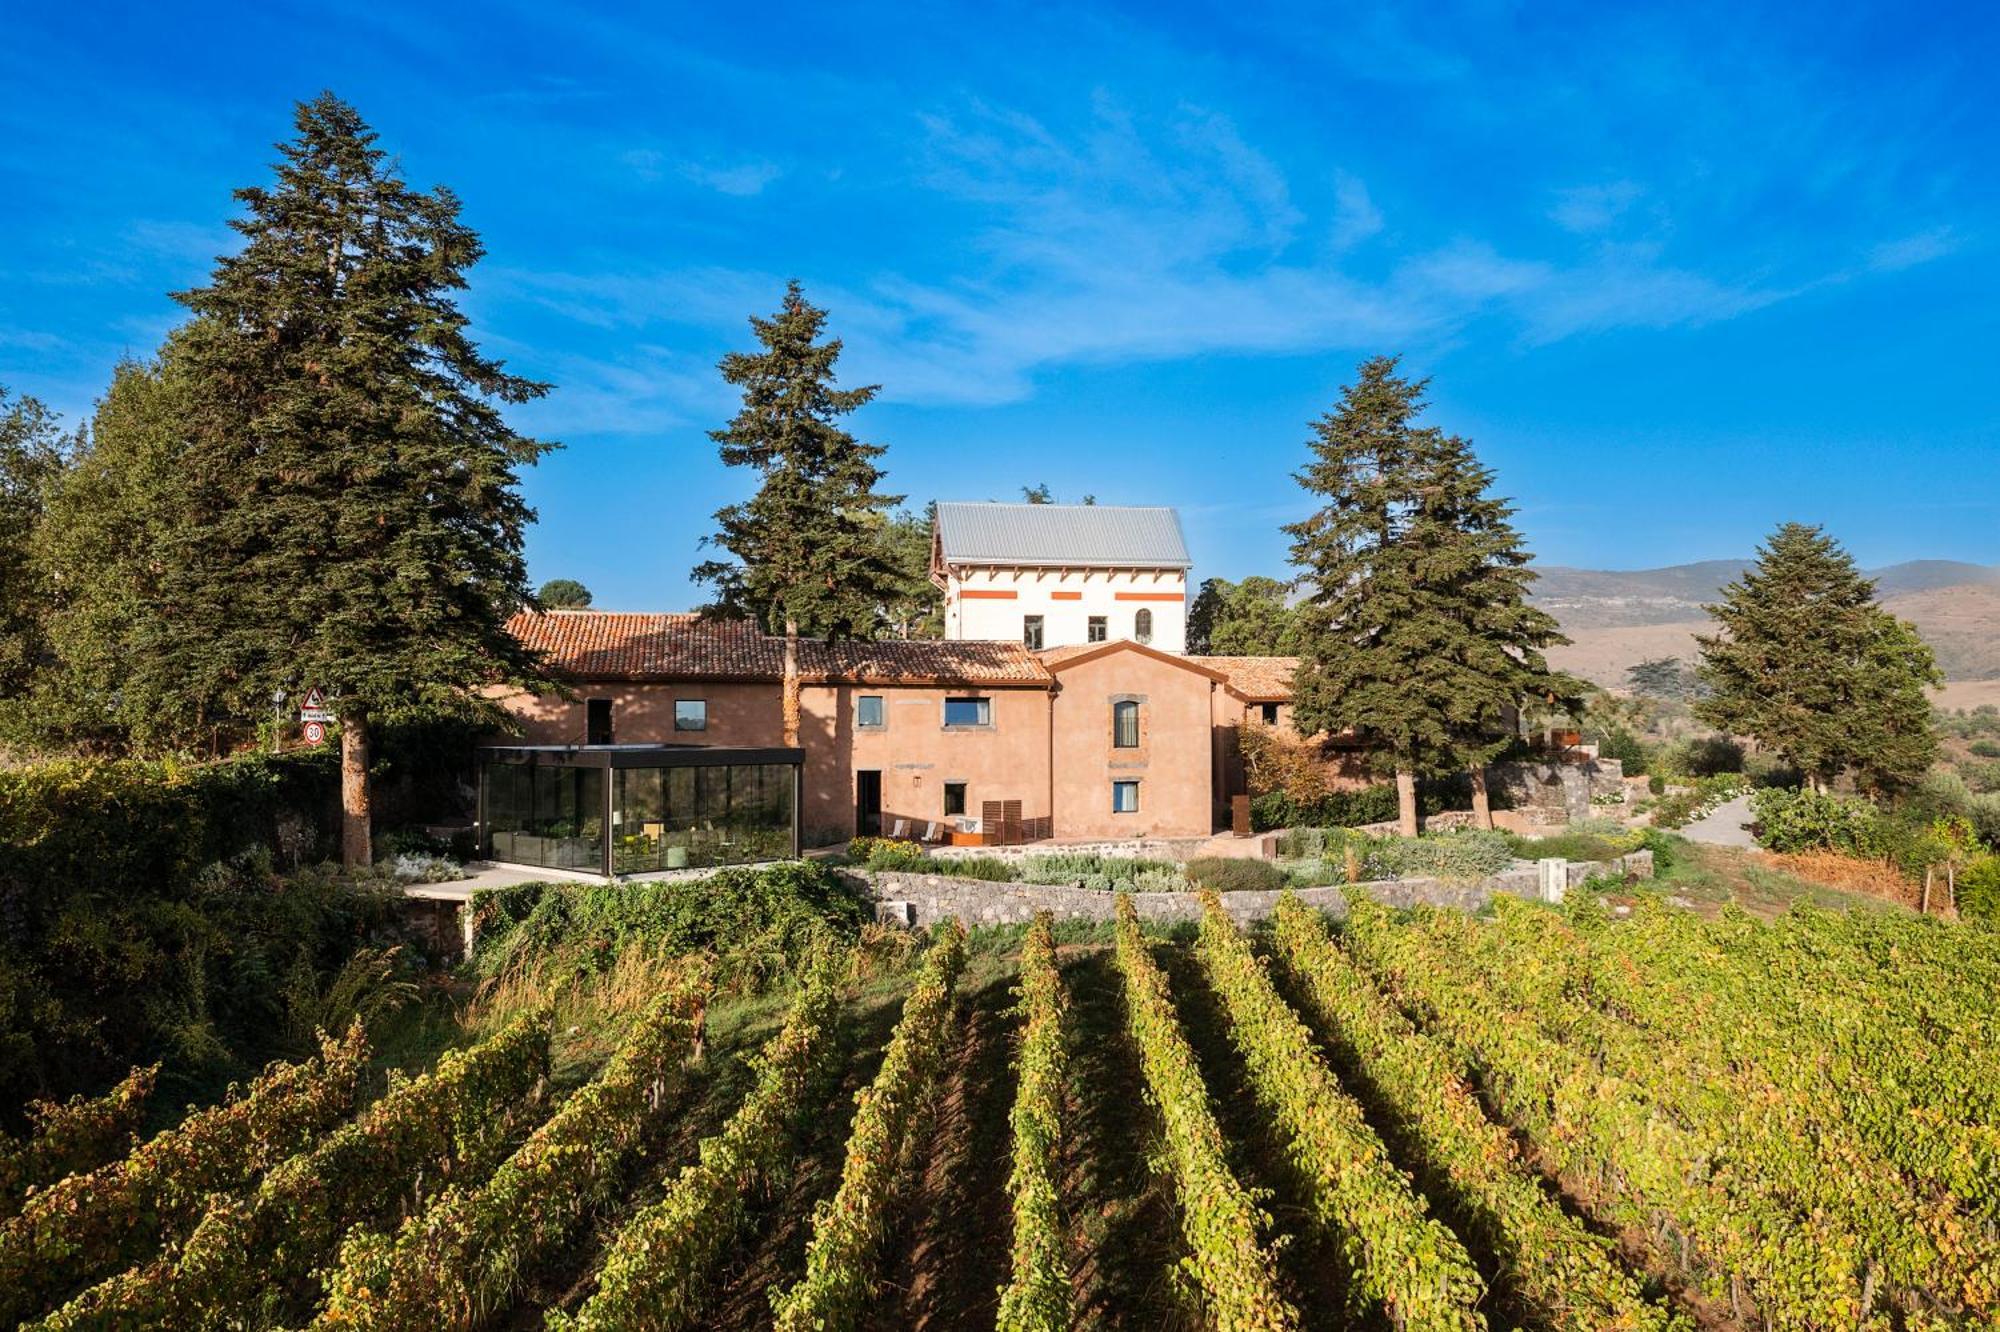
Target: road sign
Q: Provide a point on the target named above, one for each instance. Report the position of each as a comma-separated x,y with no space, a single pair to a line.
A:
314,709
315,715
315,733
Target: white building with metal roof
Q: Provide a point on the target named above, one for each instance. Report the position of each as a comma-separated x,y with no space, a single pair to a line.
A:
1062,575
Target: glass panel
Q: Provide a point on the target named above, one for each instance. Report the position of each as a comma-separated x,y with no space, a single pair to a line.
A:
546,815
1142,626
1031,632
1125,725
868,710
1124,797
639,821
1096,629
968,712
690,714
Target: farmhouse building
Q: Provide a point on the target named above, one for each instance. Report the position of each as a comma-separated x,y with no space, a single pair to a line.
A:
930,739
1062,575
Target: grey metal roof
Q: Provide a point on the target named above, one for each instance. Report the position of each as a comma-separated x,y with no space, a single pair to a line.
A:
1061,534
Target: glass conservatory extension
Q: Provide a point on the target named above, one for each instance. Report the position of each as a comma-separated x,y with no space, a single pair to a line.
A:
633,809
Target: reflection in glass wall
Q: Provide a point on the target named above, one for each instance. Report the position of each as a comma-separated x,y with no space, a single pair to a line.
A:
545,814
690,818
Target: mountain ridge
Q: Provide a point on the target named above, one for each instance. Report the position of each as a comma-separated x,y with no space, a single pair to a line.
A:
1620,617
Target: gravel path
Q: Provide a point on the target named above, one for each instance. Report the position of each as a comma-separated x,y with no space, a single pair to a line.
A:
1725,825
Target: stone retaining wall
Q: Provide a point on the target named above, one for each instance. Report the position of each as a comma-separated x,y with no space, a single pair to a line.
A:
909,897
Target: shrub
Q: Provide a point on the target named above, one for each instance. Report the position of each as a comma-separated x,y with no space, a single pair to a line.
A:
76,1136
1575,845
1227,874
1460,855
139,921
990,868
1677,809
1699,756
1060,867
780,910
1804,820
886,853
1619,743
1979,891
1335,809
1986,748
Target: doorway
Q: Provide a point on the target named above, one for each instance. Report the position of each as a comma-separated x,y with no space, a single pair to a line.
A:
868,803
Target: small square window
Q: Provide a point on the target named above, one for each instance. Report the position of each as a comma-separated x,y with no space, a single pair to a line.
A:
1031,632
868,712
1270,711
1124,797
597,721
968,712
690,714
954,799
1098,629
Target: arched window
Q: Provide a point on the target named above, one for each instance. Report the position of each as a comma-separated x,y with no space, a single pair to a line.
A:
1142,626
1125,724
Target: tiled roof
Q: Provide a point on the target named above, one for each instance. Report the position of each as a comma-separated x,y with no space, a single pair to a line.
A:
1259,679
1070,535
617,645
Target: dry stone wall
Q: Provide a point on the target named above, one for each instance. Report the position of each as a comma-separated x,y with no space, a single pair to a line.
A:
909,897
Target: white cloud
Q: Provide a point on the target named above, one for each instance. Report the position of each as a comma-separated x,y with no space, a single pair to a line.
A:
1355,216
1587,209
1909,251
742,179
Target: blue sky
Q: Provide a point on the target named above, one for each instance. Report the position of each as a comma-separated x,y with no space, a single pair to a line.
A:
1680,272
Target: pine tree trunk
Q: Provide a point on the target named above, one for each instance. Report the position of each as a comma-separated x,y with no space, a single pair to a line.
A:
1482,804
791,692
357,840
1406,802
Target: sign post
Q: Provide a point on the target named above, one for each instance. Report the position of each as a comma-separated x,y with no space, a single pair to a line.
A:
315,714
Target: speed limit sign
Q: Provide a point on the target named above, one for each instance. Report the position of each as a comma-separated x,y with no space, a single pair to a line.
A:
315,733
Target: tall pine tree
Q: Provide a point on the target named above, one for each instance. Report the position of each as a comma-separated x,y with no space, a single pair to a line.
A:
808,555
1809,666
33,452
1417,634
352,483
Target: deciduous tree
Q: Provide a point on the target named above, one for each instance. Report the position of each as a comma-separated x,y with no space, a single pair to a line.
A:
1811,667
807,553
563,594
1247,619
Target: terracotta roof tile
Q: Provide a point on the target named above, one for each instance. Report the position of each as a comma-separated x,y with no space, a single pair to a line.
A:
1259,679
635,646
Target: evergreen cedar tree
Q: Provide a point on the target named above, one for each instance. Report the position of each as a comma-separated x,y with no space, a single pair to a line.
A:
1811,667
563,594
33,453
1417,634
810,550
1246,619
351,515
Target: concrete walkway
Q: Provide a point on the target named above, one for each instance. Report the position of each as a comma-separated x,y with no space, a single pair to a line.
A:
1726,825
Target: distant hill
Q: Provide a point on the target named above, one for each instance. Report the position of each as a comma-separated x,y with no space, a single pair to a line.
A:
1621,617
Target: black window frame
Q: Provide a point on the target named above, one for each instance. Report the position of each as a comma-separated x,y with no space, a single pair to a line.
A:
1142,625
1132,782
1033,632
598,726
1097,629
963,800
701,725
1269,712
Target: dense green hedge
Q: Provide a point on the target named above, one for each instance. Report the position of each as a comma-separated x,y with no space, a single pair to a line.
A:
775,910
140,918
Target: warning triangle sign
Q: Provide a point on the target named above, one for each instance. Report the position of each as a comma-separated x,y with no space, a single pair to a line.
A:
313,699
